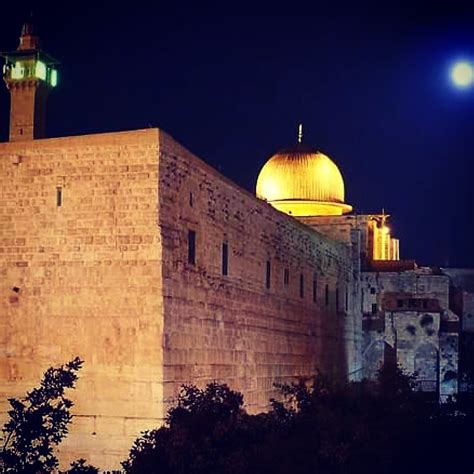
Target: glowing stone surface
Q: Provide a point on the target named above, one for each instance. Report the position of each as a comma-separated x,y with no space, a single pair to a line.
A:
462,74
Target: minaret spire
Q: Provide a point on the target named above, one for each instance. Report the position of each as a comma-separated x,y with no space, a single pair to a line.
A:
28,38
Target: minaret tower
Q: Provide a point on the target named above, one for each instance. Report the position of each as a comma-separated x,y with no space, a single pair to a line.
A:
29,74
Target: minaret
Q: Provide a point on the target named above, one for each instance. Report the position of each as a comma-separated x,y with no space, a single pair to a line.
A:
29,74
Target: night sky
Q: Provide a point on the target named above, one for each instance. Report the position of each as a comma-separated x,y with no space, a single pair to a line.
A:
230,83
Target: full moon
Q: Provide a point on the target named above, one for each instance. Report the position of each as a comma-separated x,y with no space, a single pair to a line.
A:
462,74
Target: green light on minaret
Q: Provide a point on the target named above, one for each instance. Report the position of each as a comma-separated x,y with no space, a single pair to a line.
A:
54,78
40,70
17,71
29,74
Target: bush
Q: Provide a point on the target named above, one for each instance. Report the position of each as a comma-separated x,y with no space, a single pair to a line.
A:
316,426
81,467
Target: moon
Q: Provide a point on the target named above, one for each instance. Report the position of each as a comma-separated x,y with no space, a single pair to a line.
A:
462,74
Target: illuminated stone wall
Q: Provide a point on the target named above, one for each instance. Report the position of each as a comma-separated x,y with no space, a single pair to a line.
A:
232,327
348,229
105,275
84,279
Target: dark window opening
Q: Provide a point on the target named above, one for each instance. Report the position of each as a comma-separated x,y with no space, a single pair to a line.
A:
425,304
399,303
372,291
411,303
301,286
337,298
191,199
374,308
225,258
268,274
286,276
192,247
59,196
315,289
347,299
326,295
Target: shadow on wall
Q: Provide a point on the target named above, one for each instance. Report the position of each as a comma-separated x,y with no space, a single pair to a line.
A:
379,353
334,343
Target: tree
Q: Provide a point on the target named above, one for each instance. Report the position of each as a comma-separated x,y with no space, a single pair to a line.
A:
39,422
199,436
316,426
81,467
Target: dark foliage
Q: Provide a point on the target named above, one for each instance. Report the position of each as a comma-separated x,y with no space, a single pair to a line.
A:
38,423
81,467
317,426
207,432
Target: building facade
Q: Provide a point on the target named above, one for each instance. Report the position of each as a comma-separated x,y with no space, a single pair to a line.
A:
130,252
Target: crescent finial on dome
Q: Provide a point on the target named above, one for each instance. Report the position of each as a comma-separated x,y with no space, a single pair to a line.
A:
300,133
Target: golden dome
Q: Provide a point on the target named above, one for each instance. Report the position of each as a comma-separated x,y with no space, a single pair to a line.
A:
302,182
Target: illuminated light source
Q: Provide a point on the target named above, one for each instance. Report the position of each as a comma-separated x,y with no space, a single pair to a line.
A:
54,78
40,70
462,74
18,71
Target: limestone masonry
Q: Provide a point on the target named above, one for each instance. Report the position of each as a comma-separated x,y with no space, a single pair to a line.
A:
130,252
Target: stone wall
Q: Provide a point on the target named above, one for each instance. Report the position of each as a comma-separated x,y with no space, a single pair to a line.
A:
343,229
462,302
233,328
83,279
409,313
462,283
94,263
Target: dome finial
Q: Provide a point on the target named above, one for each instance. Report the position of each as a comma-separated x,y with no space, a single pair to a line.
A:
300,133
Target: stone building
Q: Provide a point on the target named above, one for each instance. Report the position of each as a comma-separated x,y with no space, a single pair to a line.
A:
129,251
406,316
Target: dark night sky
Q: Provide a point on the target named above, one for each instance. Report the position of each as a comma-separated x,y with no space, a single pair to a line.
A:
370,86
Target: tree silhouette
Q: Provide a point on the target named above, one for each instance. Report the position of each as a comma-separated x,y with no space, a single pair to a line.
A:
39,422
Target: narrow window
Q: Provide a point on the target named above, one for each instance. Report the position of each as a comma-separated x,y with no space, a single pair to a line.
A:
326,295
59,196
301,286
268,274
191,199
399,303
192,247
337,299
286,276
374,308
347,299
315,289
225,258
372,291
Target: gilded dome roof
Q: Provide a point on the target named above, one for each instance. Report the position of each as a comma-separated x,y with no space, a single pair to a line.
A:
302,181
